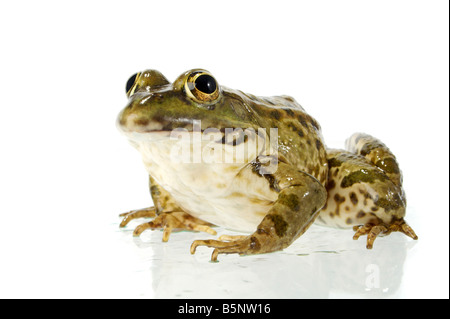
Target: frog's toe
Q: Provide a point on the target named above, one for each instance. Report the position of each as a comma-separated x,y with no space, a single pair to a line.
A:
175,220
404,228
374,230
232,245
231,237
138,213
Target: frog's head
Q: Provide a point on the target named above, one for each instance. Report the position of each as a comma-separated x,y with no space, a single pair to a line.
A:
156,105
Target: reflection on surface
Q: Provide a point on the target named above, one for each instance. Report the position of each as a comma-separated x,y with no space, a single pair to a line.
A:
323,263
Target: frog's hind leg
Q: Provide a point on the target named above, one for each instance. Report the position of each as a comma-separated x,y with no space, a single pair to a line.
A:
377,153
167,215
372,231
365,190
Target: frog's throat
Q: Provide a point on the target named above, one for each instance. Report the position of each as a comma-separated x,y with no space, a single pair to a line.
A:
207,147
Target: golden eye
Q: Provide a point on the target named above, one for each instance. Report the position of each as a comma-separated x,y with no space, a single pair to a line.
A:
131,84
202,87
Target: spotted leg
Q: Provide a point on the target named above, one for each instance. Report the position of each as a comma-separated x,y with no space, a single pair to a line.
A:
365,190
300,198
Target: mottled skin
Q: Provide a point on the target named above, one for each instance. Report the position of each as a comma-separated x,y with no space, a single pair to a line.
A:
359,187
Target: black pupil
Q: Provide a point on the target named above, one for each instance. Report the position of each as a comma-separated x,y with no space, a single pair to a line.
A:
130,82
206,84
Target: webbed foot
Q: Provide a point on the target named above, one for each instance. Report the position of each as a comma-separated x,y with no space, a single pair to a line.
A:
373,231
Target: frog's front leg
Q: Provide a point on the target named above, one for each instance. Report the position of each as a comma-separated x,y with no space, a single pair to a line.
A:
168,215
300,198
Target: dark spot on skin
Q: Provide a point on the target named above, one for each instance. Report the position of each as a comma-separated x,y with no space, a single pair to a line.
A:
296,129
289,112
334,162
290,200
254,244
158,118
234,141
300,132
318,144
154,190
315,124
257,169
339,199
272,182
336,172
362,176
353,198
347,208
303,121
374,208
280,225
275,114
330,185
360,214
141,121
349,221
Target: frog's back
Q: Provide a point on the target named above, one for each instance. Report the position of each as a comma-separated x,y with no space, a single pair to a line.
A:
299,140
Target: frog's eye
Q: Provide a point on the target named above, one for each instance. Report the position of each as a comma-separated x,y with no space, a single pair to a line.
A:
131,84
202,87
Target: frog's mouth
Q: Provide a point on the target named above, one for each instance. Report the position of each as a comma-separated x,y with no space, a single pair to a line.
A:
159,123
210,145
233,137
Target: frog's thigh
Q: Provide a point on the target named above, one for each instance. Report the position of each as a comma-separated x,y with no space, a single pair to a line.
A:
300,198
361,195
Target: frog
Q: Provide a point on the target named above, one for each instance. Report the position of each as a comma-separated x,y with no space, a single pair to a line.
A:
286,180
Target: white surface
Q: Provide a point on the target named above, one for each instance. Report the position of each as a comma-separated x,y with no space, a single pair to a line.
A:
66,173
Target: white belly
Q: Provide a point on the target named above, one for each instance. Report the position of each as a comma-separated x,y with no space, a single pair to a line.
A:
225,194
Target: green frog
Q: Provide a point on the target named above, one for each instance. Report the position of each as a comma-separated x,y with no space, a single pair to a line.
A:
259,165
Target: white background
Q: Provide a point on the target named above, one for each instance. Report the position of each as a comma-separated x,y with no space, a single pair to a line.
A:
66,173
